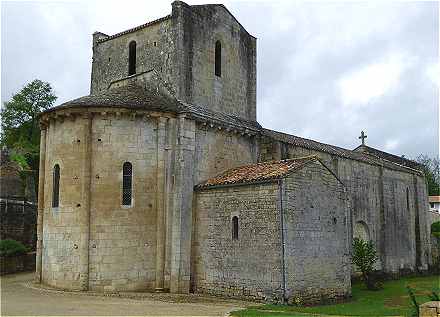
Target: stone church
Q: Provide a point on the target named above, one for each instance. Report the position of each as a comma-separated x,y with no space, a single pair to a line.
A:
162,179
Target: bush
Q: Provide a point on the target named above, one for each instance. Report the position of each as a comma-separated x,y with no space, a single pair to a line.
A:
414,304
364,257
435,229
9,247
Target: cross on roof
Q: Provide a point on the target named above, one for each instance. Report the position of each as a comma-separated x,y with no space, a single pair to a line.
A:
363,137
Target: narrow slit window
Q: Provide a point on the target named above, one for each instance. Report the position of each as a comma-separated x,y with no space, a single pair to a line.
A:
218,59
235,228
407,199
132,58
127,180
56,186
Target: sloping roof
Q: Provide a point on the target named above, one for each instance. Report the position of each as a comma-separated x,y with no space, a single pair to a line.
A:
387,156
434,199
134,29
137,97
215,116
258,172
335,150
130,96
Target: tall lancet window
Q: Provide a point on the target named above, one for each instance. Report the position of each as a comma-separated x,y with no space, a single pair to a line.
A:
218,59
127,183
235,228
56,186
132,58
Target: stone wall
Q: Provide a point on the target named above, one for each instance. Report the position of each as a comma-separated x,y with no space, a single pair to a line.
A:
181,47
432,217
316,222
18,221
62,225
115,243
249,266
154,49
219,150
234,91
379,200
317,234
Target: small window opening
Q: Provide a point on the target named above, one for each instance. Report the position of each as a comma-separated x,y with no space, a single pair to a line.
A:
127,178
154,43
56,186
235,228
132,58
218,59
407,199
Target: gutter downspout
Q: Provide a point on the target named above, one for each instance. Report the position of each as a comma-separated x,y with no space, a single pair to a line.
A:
283,245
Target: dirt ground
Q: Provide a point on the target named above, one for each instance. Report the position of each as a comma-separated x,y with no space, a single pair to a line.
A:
20,297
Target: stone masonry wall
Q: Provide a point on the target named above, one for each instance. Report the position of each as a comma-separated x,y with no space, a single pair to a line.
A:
154,49
120,249
317,234
379,200
250,266
123,238
218,151
235,91
181,48
61,225
18,221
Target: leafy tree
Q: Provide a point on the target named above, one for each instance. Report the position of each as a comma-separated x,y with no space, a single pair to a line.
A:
20,126
430,167
364,257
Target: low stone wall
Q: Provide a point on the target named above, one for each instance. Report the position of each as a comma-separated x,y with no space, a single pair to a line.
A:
435,243
430,309
18,220
20,263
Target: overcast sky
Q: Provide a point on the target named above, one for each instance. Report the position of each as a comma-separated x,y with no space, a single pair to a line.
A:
326,70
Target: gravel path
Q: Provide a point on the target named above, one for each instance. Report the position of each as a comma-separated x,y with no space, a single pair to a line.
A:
20,297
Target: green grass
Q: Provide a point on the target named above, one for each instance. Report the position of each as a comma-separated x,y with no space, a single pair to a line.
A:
392,300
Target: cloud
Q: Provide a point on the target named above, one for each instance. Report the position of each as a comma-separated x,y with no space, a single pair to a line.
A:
372,81
325,70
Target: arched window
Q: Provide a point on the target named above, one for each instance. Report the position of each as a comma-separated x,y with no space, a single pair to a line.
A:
361,231
218,59
56,186
235,228
132,58
127,180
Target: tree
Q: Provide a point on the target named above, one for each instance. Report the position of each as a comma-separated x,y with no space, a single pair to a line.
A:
20,126
430,167
364,257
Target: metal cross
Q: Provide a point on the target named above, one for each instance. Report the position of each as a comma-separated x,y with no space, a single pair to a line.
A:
363,137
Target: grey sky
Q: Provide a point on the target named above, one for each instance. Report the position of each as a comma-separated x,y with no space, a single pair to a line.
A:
326,70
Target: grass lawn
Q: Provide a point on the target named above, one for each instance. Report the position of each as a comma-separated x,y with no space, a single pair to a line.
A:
392,300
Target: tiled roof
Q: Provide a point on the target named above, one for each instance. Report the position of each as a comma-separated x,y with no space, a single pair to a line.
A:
258,172
215,116
130,96
434,199
334,150
135,97
387,156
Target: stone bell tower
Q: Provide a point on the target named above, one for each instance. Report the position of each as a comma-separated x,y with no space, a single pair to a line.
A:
201,51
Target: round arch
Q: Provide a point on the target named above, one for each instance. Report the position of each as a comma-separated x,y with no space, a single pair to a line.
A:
361,231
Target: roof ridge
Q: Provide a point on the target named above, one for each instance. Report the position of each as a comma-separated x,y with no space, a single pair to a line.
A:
133,29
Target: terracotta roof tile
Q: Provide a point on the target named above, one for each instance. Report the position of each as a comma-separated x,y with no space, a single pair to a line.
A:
337,151
258,172
434,199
